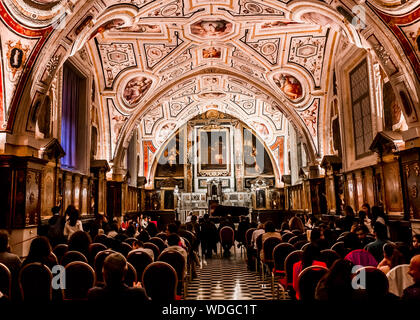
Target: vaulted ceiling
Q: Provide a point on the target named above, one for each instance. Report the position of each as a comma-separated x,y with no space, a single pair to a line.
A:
246,57
159,63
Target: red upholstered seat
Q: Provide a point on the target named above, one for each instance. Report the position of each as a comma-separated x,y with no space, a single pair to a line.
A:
227,235
60,250
131,276
71,256
35,280
248,236
94,249
290,260
140,260
159,242
80,277
5,280
160,281
308,280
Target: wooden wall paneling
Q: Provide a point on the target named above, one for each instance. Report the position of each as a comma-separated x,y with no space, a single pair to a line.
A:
84,196
7,187
410,161
20,191
76,192
47,194
369,187
33,199
359,190
392,186
114,199
98,169
18,218
67,190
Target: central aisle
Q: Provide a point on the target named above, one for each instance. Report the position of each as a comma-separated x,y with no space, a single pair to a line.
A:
228,279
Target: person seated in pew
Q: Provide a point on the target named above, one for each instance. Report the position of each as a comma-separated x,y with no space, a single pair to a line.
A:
335,285
415,245
11,261
114,270
40,251
252,250
174,244
362,231
226,222
392,258
413,291
376,247
310,257
242,227
208,237
270,231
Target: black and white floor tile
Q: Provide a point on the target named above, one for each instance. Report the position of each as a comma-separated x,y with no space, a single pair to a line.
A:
228,279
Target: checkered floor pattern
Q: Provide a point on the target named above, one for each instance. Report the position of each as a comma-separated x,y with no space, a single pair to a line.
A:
228,279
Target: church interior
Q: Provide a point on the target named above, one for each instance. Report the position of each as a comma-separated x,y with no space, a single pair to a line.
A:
296,118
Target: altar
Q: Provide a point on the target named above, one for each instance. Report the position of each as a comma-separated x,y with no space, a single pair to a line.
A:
214,159
197,202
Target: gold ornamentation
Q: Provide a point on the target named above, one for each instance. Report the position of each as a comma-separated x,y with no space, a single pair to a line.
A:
407,171
16,56
417,169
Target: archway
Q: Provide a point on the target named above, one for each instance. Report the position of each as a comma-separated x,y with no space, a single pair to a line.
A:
190,154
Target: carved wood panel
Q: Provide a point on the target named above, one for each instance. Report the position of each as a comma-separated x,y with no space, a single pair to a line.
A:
392,184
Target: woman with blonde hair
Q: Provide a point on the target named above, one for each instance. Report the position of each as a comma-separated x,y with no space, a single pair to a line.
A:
295,223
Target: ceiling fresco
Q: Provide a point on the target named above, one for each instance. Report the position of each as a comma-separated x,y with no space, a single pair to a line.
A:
256,40
158,64
407,29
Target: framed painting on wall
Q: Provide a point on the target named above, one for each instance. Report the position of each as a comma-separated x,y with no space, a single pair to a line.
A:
168,199
256,159
260,199
171,160
213,150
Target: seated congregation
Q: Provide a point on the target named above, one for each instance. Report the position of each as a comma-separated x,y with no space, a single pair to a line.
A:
335,261
137,261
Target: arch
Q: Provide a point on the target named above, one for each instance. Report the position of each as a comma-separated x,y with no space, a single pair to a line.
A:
59,47
150,175
291,115
299,8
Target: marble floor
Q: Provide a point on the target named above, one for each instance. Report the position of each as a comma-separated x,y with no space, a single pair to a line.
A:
228,279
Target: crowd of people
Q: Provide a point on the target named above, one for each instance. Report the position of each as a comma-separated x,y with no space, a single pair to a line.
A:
361,241
357,242
135,232
121,237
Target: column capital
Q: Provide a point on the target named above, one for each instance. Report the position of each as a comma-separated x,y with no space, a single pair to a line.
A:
314,171
118,174
411,137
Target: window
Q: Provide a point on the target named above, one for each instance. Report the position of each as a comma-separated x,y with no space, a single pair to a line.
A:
74,118
362,122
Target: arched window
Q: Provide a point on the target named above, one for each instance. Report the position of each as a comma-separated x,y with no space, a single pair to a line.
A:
360,98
